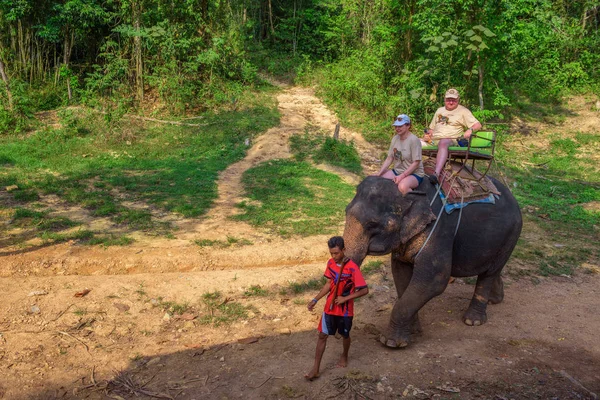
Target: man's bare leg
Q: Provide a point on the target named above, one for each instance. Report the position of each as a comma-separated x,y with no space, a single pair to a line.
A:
442,155
321,345
343,363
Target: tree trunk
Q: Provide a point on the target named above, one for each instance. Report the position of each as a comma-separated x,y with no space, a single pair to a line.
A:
271,18
21,42
66,58
480,87
7,84
137,49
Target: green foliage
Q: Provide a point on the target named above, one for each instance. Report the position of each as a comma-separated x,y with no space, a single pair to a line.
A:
294,198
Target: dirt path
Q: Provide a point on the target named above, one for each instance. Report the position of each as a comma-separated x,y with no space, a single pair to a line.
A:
122,340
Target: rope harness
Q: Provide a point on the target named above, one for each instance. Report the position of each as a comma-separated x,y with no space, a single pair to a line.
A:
454,177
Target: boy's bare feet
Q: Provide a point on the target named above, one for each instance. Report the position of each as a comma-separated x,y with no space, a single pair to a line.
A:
311,376
343,362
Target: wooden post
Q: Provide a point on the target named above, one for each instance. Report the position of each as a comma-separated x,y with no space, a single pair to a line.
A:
336,132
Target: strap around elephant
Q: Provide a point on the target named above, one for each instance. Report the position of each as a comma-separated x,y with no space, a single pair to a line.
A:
444,201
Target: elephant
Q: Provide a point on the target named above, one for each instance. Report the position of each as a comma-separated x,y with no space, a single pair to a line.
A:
381,220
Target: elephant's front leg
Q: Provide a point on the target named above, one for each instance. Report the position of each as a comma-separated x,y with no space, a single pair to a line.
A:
414,291
489,288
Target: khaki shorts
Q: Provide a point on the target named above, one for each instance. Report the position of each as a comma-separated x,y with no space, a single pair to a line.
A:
452,143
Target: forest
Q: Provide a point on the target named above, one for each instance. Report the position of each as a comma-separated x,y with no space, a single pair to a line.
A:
179,57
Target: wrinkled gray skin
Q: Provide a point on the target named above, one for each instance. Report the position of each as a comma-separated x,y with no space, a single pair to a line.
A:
379,221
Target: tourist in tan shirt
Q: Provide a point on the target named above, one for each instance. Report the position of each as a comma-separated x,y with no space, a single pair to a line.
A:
449,123
405,153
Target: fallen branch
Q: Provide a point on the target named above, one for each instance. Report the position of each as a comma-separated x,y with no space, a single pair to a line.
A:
578,384
87,348
265,381
60,314
152,119
162,121
124,381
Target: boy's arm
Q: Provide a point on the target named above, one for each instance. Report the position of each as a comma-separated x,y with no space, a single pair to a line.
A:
359,293
324,291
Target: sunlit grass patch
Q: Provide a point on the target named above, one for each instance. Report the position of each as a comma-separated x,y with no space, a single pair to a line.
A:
173,307
371,267
291,198
231,240
556,180
311,284
221,311
110,240
324,149
54,237
256,290
168,168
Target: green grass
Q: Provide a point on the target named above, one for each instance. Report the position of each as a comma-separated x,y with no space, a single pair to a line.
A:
231,240
57,229
311,284
141,291
221,311
161,167
325,149
557,184
256,291
559,180
111,240
371,267
172,307
294,198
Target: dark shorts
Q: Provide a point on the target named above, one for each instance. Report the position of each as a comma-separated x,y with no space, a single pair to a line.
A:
330,324
419,179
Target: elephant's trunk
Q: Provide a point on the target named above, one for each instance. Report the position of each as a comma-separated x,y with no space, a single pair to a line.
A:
355,240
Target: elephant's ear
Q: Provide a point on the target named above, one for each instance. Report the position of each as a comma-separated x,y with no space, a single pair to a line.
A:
415,219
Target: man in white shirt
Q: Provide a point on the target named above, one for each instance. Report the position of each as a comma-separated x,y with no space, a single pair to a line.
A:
449,123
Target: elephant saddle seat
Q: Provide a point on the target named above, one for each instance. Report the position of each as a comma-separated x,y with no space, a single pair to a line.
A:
461,183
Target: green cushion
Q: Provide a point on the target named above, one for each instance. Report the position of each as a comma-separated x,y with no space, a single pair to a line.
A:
484,139
482,150
479,144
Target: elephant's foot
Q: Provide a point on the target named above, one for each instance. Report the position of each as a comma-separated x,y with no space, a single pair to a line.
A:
392,340
415,327
474,318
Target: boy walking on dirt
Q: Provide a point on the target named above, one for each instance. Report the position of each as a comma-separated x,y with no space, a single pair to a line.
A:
345,284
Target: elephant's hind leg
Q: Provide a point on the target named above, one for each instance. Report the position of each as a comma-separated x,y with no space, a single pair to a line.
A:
488,289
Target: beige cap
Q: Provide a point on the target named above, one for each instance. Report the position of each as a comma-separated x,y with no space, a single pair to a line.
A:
452,94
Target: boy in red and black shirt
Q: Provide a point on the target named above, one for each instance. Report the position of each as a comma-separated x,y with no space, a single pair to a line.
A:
345,284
